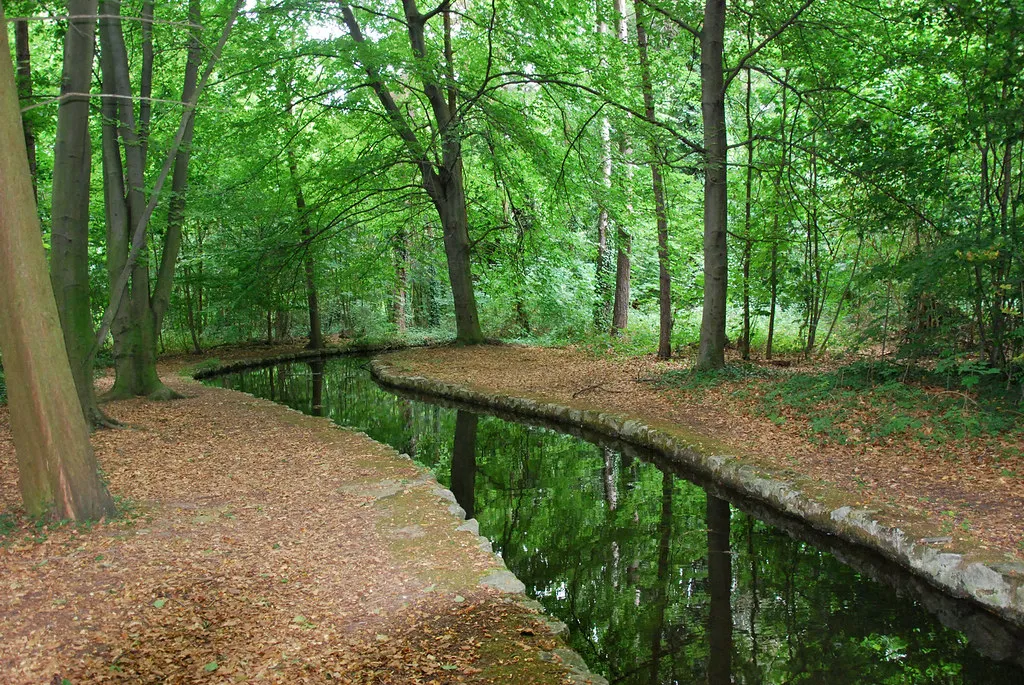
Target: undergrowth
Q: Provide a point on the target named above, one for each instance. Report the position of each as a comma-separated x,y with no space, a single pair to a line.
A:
870,402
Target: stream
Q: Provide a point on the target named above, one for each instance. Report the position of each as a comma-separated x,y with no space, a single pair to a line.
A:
659,579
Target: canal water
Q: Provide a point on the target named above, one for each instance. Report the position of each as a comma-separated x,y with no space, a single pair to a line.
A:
659,581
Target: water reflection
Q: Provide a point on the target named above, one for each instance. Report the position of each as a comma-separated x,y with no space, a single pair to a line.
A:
659,581
720,590
463,472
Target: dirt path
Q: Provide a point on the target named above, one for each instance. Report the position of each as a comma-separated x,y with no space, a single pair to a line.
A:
957,495
263,545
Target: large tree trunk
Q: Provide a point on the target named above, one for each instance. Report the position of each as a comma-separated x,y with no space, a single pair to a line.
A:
135,352
711,353
450,200
658,185
56,465
69,238
23,54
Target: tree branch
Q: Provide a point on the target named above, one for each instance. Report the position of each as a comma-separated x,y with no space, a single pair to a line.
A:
731,74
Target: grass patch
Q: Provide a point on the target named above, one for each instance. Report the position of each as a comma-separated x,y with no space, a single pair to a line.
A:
689,379
872,402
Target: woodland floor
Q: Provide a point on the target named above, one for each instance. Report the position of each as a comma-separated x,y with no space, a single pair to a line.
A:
961,491
260,545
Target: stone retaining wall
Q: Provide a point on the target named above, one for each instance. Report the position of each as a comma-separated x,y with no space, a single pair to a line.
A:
994,584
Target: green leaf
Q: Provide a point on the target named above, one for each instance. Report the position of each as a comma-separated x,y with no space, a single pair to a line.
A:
159,604
211,667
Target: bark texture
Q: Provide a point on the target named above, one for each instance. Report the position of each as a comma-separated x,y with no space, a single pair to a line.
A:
624,241
23,54
69,237
57,468
179,179
711,353
658,186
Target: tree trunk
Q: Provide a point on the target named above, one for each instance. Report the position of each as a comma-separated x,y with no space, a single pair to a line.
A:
69,237
316,338
774,286
57,468
620,311
603,290
711,353
401,280
179,180
747,244
191,318
658,185
135,353
624,241
23,54
451,206
444,183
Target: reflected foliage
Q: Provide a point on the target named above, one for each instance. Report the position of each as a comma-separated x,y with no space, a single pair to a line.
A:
658,581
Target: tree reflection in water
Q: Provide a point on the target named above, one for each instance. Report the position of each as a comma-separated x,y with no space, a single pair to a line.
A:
659,582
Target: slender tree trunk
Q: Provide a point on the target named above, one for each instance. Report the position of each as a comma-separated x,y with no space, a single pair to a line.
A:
179,180
146,78
116,210
190,313
23,54
816,294
401,280
658,186
774,278
711,353
747,244
603,289
57,468
69,237
316,339
774,286
623,240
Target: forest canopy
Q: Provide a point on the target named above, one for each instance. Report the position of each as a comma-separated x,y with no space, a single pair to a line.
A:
787,176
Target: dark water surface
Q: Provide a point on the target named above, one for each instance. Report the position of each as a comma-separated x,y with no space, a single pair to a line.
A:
659,581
